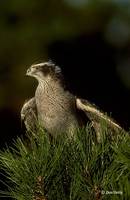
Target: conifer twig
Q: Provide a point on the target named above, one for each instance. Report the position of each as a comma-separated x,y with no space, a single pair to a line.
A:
39,189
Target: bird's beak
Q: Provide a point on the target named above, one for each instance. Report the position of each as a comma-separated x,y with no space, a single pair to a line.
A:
28,72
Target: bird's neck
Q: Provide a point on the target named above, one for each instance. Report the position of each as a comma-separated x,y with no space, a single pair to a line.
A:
51,87
51,96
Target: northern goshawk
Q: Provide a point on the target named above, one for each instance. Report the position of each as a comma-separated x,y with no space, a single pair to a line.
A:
57,109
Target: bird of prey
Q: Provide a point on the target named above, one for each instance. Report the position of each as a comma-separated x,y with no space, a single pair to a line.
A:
57,109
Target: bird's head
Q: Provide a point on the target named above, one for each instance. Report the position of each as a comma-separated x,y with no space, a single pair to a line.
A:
43,71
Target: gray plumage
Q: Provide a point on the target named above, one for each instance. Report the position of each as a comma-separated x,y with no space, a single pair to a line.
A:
56,109
55,106
97,119
29,114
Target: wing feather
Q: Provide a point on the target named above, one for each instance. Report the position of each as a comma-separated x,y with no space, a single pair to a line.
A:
96,117
29,114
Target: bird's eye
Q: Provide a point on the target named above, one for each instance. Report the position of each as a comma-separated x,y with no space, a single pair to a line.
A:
36,67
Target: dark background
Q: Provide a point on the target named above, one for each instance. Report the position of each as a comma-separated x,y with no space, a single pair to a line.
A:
89,40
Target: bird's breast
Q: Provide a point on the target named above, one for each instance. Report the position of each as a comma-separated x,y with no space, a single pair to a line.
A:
56,111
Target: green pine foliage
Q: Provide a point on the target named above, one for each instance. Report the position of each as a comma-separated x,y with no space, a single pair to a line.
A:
62,168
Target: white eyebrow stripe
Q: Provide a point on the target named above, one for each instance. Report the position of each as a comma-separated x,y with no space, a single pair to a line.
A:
42,64
57,68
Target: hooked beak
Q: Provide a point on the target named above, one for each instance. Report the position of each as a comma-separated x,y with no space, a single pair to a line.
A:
28,72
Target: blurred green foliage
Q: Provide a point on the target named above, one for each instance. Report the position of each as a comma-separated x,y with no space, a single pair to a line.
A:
27,28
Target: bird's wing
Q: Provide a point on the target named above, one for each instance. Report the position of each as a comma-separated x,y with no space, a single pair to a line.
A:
29,114
96,116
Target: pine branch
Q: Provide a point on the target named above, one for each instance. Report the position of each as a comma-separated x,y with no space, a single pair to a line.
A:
39,189
64,168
